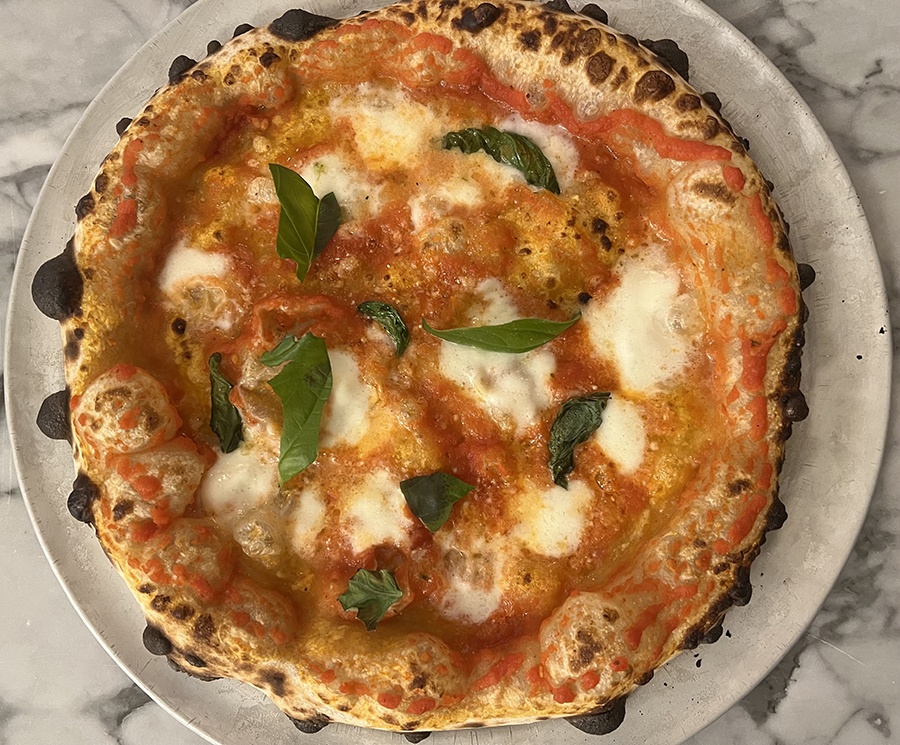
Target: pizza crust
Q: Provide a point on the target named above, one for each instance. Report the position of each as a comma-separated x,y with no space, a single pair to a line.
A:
252,636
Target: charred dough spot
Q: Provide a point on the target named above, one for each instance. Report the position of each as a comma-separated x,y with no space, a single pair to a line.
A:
795,407
81,500
241,30
416,736
275,680
145,589
122,125
603,721
268,58
53,417
550,23
716,191
179,326
777,515
621,78
85,206
71,349
531,39
194,660
101,182
713,634
687,102
57,286
595,12
408,18
806,274
298,25
654,85
418,682
477,19
599,67
739,486
155,641
560,6
712,100
182,612
179,668
213,47
160,603
204,627
198,75
741,592
670,53
122,509
179,67
312,725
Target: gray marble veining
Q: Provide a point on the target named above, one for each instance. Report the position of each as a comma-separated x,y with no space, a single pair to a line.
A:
839,685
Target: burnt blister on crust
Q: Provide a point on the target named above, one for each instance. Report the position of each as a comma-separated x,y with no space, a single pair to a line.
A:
668,52
312,725
806,275
53,417
179,68
123,124
58,286
214,46
595,13
177,667
475,20
85,206
603,721
155,641
242,29
80,502
416,736
298,25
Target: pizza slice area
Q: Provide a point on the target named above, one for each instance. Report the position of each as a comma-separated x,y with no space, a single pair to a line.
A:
542,586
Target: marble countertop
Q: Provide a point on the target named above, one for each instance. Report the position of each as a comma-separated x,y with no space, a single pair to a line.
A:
840,684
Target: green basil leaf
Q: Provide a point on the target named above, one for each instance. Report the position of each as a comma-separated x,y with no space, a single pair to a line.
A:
430,498
306,223
577,420
303,385
508,148
514,337
224,418
388,317
371,594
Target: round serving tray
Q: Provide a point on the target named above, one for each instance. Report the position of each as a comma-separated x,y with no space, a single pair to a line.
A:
832,459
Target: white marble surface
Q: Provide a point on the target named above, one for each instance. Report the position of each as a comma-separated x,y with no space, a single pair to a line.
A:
840,684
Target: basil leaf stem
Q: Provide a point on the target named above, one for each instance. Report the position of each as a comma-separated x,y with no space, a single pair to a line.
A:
430,498
514,337
508,148
303,386
577,420
224,417
306,223
389,318
371,594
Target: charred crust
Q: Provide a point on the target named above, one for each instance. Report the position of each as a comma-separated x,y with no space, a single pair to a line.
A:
81,499
122,509
777,515
213,47
241,30
560,6
654,85
312,725
602,721
687,102
416,736
742,590
806,274
204,627
145,589
85,206
670,54
179,68
268,58
199,75
642,680
53,416
122,125
596,13
160,603
714,633
598,67
194,660
100,183
70,350
58,286
418,682
621,78
179,326
182,612
181,669
475,20
716,191
408,18
155,641
795,407
298,25
275,680
739,486
531,39
712,100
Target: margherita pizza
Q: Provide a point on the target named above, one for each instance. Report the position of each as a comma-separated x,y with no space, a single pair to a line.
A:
430,368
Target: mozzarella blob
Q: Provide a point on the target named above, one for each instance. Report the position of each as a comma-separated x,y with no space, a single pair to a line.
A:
237,482
551,521
346,419
186,265
622,435
373,512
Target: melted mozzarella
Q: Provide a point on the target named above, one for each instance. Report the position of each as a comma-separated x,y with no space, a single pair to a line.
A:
354,192
551,522
456,192
347,414
555,143
641,326
474,576
188,265
374,512
622,436
464,601
237,482
512,387
308,520
390,127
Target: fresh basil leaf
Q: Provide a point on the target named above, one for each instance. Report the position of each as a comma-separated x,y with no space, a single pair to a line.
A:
224,418
371,594
577,420
514,337
389,319
306,223
430,498
303,385
508,148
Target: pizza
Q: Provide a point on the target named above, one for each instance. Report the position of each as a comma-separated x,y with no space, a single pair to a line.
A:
430,368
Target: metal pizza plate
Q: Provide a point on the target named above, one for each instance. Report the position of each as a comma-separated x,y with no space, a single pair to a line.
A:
832,461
